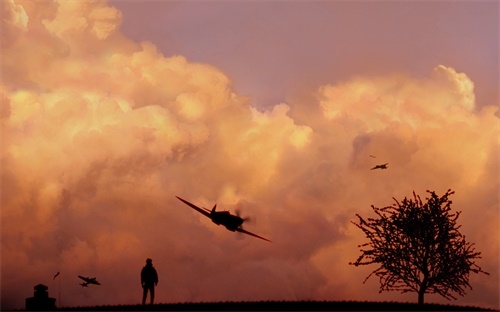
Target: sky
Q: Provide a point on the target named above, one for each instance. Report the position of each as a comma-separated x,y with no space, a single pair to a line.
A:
111,109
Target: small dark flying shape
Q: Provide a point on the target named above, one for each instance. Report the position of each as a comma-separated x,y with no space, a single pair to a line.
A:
372,156
88,280
383,166
231,222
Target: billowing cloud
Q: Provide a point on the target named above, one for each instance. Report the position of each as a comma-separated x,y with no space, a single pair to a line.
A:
100,133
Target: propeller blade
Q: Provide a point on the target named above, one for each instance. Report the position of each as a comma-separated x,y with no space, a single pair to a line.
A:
245,219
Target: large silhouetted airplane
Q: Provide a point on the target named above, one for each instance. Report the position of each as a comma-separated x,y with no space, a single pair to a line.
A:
88,280
231,222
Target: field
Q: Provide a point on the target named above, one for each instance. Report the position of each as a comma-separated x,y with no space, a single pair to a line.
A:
283,306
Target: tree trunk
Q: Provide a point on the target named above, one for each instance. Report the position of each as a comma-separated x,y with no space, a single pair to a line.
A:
421,293
423,288
423,284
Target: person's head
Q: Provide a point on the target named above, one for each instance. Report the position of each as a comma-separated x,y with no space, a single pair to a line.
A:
149,261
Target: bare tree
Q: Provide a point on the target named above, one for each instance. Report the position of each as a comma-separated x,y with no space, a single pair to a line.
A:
418,247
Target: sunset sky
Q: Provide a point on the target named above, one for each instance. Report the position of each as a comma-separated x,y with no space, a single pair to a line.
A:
110,109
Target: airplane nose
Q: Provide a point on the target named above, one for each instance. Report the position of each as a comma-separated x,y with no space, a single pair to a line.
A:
243,219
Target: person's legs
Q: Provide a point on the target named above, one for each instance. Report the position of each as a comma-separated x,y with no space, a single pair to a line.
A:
144,294
152,293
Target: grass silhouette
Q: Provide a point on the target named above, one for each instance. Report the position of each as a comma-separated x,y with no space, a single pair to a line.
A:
282,306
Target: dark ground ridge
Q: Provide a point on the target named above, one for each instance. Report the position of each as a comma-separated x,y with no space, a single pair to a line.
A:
282,306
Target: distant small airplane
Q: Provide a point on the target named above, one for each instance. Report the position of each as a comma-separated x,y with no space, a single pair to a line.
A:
372,156
383,166
88,280
231,222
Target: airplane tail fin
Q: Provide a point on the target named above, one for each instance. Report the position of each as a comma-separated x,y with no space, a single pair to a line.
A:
213,209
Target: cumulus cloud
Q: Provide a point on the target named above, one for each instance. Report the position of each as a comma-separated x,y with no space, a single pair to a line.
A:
446,95
15,21
100,133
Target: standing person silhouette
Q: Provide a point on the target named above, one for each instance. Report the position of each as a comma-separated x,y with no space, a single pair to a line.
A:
149,279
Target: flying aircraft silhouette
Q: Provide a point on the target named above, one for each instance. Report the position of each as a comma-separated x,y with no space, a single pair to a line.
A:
231,222
88,280
383,166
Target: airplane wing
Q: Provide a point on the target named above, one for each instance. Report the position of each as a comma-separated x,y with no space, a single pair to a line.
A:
83,278
194,207
252,234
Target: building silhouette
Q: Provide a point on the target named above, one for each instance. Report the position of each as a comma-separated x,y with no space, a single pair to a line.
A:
40,300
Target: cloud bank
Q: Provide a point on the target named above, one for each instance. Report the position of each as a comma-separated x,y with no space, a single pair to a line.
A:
99,133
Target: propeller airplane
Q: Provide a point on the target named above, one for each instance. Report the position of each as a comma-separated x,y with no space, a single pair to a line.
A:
231,222
383,166
88,281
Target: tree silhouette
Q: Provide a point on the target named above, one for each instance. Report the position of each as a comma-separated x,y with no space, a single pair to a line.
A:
418,247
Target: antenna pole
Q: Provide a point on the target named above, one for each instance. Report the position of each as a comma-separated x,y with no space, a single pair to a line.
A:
60,305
